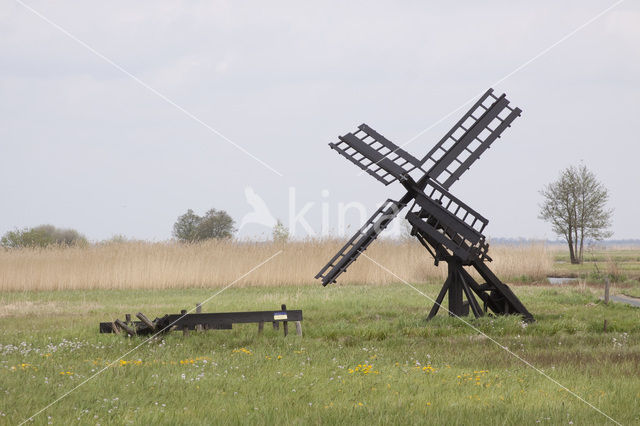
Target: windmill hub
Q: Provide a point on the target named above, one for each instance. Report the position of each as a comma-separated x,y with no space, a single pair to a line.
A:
449,230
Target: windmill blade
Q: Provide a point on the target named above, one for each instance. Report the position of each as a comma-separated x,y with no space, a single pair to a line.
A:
360,241
469,138
376,155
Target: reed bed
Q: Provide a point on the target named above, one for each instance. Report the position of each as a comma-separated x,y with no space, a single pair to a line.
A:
218,263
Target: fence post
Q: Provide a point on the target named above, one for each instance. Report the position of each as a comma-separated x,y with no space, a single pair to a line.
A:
607,284
198,311
285,323
185,330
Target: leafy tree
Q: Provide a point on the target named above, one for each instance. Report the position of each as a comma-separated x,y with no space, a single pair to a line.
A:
185,228
280,233
575,205
214,224
42,236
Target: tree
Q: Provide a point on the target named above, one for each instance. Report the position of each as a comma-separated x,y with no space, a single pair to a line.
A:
280,233
42,236
185,228
215,224
575,205
190,227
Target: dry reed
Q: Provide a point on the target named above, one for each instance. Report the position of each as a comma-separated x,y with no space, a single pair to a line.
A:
218,263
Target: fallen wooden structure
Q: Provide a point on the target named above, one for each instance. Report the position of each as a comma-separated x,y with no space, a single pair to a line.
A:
199,321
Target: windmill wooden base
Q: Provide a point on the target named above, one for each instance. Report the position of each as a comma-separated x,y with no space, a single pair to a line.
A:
463,290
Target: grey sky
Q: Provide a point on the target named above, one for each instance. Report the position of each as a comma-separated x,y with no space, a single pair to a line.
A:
83,145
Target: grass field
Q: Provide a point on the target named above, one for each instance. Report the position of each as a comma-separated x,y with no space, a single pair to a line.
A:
367,356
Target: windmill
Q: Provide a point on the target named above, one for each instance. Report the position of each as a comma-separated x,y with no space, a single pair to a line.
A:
448,229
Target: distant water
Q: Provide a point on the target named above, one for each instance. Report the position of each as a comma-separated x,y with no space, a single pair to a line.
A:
560,280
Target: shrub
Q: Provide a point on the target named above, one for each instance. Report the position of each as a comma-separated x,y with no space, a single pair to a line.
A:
42,236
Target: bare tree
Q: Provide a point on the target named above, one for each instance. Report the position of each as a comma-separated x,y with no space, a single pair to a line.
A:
575,205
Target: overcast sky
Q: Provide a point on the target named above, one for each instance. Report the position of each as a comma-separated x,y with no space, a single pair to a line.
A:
85,145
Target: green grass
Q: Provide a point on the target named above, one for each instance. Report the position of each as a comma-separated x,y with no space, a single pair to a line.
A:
618,255
208,378
621,266
631,292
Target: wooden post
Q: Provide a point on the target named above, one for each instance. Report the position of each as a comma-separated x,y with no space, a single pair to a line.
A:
125,327
285,323
607,285
260,327
198,311
298,328
185,330
146,320
127,319
115,328
605,326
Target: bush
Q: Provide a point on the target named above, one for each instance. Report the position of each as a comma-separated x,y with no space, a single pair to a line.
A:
42,236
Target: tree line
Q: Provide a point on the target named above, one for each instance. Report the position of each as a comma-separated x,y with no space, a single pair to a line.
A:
575,205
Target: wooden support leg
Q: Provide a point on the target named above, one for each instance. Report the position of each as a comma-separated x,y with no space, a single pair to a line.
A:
298,328
457,306
199,311
439,299
475,308
285,327
260,327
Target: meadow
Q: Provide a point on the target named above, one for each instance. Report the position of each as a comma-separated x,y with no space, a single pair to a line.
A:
366,356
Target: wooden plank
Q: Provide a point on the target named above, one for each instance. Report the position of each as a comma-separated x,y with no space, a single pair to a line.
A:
393,147
231,317
373,155
298,328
